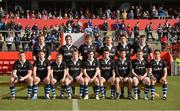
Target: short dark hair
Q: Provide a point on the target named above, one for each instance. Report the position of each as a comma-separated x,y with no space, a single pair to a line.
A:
142,36
88,36
122,35
105,49
122,49
41,51
41,35
68,36
75,50
157,50
89,51
21,52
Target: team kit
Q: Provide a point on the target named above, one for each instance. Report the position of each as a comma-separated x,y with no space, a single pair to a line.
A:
90,64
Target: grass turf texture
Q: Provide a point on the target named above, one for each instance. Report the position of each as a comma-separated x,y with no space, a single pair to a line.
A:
172,102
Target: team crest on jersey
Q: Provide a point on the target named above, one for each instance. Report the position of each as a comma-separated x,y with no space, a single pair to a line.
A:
125,63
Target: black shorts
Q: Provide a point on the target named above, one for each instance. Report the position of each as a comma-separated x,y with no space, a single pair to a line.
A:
158,78
18,78
42,75
57,77
106,77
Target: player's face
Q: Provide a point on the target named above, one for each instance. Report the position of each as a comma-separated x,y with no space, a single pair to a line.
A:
123,54
75,55
109,41
88,40
106,54
59,58
22,57
41,40
140,55
157,55
91,55
68,40
123,39
41,55
142,40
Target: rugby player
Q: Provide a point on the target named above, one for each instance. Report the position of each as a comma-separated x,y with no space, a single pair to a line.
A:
75,71
41,46
41,73
123,69
109,45
66,50
91,73
158,73
139,71
84,48
107,73
22,71
58,74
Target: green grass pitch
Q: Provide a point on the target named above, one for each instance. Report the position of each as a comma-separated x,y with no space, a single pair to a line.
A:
172,102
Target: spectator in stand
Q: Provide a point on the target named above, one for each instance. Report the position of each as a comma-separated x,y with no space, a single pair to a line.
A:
78,26
1,41
1,24
149,31
96,29
9,41
154,12
136,31
35,28
90,24
131,14
97,41
18,28
123,27
6,28
27,31
129,31
17,40
159,31
105,27
124,14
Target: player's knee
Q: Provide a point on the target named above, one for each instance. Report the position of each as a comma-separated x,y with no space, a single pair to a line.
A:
135,81
36,80
163,81
96,81
130,81
117,80
12,81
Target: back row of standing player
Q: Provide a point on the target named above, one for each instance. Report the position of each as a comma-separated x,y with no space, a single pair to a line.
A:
81,65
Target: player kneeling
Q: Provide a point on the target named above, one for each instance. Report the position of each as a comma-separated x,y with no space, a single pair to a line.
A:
58,74
139,71
91,72
22,71
107,73
158,71
41,73
75,73
123,69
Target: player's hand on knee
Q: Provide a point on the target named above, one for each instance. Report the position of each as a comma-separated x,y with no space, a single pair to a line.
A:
21,79
153,78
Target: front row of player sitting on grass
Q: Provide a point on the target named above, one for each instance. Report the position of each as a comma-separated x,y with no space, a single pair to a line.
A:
118,73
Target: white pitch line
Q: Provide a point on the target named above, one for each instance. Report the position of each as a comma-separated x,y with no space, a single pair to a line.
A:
75,106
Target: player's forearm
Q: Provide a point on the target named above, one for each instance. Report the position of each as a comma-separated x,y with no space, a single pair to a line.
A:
28,75
14,75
